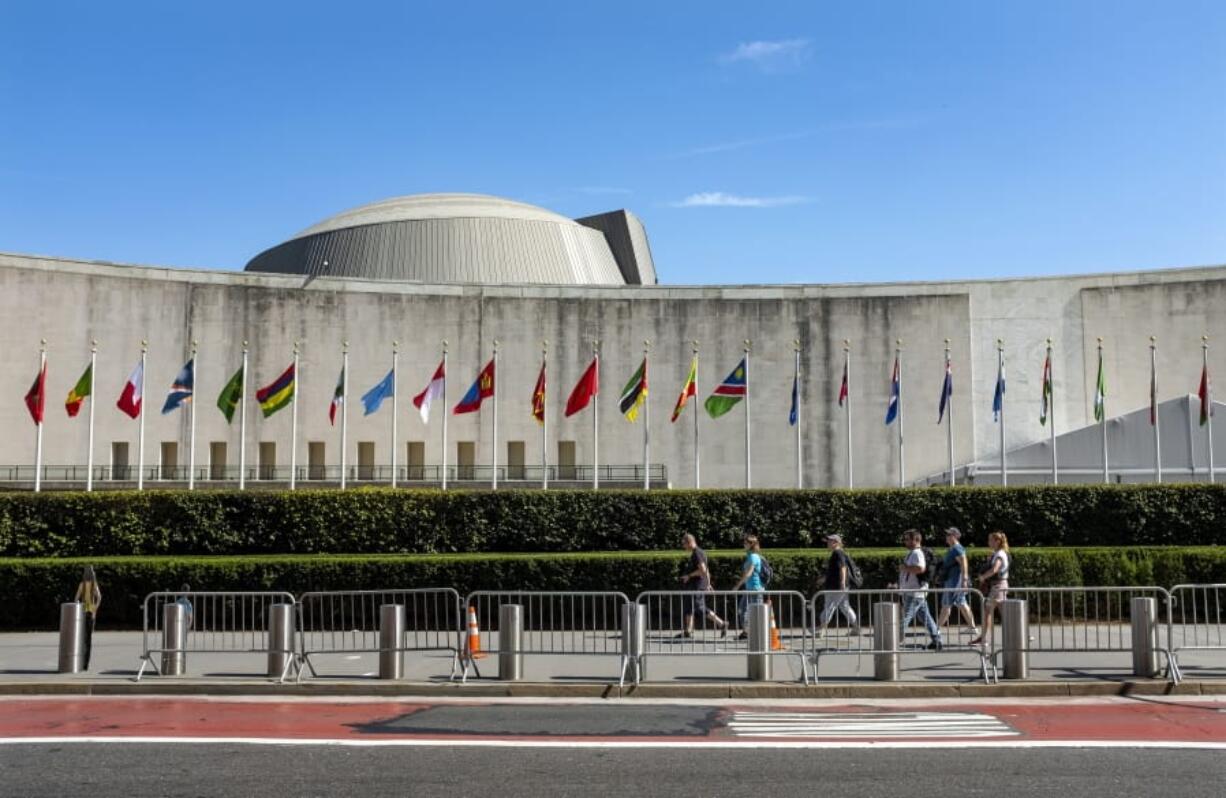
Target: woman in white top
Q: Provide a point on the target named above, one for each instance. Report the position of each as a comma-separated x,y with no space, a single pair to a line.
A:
994,581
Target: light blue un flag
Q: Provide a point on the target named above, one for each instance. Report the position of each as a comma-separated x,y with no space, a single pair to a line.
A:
372,400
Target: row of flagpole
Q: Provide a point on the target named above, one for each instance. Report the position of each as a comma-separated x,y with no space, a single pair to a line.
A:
732,390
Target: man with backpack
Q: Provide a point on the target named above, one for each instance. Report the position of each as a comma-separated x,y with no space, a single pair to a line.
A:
916,571
841,576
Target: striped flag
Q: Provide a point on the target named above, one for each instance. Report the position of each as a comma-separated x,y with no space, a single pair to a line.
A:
277,394
182,388
338,397
1100,391
843,386
1203,392
634,393
947,390
1045,405
998,396
891,409
434,390
76,397
729,392
688,390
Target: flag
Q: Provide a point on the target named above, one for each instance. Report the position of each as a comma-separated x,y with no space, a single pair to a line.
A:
182,389
1046,398
729,392
998,396
795,412
133,392
891,409
635,393
277,394
434,389
479,392
538,397
1100,391
689,389
36,397
587,387
372,400
843,386
1153,394
230,396
76,397
338,397
947,390
1203,392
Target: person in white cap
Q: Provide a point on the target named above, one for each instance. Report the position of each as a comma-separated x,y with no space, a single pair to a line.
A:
835,586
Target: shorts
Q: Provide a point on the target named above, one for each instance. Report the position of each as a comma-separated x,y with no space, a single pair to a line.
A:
694,603
956,598
998,593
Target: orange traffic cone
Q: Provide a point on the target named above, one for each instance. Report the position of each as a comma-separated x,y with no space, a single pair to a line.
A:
776,640
474,635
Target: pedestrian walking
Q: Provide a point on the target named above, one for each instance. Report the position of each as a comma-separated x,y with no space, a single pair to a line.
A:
913,580
696,577
751,579
956,583
835,586
994,581
89,595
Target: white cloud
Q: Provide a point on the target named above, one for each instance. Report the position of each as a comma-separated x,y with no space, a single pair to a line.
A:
720,199
769,56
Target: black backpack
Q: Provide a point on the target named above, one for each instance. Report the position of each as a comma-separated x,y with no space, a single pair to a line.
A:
765,572
855,577
930,566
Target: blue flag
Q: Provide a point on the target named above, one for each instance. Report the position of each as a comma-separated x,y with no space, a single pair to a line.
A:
795,401
998,398
373,399
182,389
891,410
947,391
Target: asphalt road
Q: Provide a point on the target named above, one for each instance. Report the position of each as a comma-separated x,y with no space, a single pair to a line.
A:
136,770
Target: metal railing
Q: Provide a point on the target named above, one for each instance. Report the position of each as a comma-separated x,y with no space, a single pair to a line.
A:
581,623
217,622
347,623
1196,620
671,613
843,624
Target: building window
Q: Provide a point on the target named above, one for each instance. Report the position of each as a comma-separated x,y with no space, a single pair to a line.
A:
515,460
217,461
466,460
366,460
268,460
168,465
415,452
566,461
316,464
119,461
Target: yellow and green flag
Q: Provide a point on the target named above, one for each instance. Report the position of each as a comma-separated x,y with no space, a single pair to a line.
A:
76,397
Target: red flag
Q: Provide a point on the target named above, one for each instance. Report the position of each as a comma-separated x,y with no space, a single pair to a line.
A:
843,387
587,387
133,392
36,397
538,397
1203,393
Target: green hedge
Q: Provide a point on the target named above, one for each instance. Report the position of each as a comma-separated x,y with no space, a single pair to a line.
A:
31,589
386,521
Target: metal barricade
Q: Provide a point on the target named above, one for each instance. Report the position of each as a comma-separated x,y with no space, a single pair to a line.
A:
347,623
1084,620
217,622
843,620
670,614
1196,621
554,624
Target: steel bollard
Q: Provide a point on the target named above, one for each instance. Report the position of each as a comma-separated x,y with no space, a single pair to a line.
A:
391,641
72,637
1015,628
174,639
280,639
1144,637
510,642
759,660
886,627
634,639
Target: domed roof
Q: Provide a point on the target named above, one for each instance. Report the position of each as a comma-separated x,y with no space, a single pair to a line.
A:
416,207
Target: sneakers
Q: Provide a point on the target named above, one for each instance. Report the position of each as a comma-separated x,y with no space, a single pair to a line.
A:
744,635
684,636
936,645
723,631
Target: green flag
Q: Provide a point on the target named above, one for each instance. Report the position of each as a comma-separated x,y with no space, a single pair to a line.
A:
231,395
1100,392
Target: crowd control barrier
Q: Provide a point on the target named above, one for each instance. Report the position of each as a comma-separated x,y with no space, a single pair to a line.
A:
720,620
556,623
1196,620
209,622
845,624
352,622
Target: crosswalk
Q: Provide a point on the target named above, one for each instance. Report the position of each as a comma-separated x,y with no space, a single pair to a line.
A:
877,725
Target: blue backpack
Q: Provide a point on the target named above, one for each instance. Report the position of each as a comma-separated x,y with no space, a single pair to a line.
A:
765,572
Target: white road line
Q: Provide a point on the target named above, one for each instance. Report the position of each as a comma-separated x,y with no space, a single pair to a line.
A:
869,724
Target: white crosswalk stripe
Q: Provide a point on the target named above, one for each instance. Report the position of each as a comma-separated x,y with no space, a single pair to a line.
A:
882,725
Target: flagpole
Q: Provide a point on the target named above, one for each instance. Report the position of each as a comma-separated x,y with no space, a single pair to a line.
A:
1051,416
697,462
1000,373
1103,422
949,418
646,421
494,448
1153,403
140,443
748,459
1204,348
38,428
901,459
344,411
395,406
293,443
595,417
89,454
796,382
242,424
545,417
847,371
443,477
191,444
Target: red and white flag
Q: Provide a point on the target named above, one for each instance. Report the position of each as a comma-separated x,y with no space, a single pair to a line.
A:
433,391
133,392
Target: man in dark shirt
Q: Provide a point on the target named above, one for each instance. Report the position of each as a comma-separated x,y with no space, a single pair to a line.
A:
834,589
696,577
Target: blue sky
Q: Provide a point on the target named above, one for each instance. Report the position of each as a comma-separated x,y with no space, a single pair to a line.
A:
759,142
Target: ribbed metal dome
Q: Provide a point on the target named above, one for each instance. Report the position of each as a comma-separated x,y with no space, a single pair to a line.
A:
443,238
